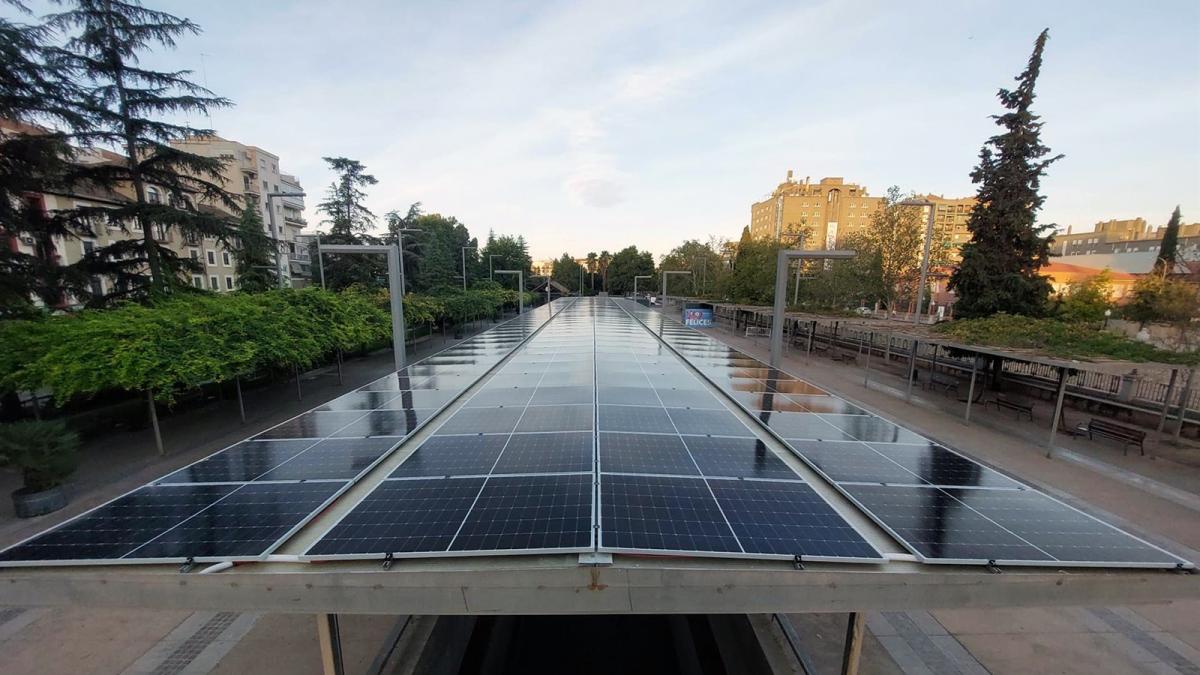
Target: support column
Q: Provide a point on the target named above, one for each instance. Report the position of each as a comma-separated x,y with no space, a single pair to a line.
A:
1183,402
237,381
330,638
855,632
971,389
1162,416
154,421
1058,403
912,370
867,364
299,392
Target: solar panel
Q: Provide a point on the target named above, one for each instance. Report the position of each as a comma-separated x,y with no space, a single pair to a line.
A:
557,418
312,425
385,423
482,421
246,524
516,513
645,453
787,518
632,418
736,457
547,452
659,513
708,422
240,463
979,514
402,516
453,456
333,459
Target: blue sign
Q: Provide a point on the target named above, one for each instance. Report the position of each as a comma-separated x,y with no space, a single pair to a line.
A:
699,318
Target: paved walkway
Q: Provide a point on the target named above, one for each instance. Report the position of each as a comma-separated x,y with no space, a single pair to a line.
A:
1151,639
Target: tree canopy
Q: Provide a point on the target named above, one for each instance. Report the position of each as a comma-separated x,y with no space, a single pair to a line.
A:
624,266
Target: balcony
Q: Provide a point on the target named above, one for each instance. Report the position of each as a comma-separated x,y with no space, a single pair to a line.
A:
295,220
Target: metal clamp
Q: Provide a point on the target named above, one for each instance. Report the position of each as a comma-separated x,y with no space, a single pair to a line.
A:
798,562
187,566
993,567
387,561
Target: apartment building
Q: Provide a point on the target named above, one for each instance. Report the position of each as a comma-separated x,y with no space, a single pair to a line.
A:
253,173
830,209
1107,232
950,217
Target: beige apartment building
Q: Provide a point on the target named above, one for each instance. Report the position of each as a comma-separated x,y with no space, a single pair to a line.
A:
252,173
1107,232
830,209
950,218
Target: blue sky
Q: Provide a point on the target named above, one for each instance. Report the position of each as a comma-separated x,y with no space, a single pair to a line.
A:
595,125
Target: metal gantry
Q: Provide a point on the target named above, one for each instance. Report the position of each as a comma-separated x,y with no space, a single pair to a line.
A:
781,270
395,289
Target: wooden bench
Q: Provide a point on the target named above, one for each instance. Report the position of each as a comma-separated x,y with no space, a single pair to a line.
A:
1008,404
947,383
1128,436
757,331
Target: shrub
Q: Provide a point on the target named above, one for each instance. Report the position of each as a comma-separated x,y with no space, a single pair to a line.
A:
46,452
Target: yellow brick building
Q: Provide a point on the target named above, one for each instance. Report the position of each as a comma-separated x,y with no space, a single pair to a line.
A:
830,209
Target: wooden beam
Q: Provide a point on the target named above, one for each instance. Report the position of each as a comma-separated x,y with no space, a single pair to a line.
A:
852,654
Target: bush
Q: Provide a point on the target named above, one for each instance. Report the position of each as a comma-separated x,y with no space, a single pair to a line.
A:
46,452
1087,300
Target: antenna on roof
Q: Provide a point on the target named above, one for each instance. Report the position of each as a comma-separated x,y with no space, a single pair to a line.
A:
204,76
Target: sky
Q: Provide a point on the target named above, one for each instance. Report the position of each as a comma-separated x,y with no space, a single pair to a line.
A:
590,126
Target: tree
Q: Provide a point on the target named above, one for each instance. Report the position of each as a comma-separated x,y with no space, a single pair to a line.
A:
752,279
410,248
512,253
344,198
602,263
566,272
624,266
1000,265
702,260
35,89
591,269
895,238
252,254
1168,251
439,243
1159,299
123,103
1087,300
349,221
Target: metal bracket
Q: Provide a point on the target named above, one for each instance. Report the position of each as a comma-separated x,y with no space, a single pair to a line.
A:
387,562
1180,569
993,567
187,566
593,558
798,562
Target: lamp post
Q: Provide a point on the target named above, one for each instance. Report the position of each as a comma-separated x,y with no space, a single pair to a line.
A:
400,244
664,282
464,263
394,290
635,280
491,261
520,288
781,270
581,281
924,256
275,231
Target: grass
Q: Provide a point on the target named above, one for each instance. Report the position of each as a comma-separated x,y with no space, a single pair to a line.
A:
1073,340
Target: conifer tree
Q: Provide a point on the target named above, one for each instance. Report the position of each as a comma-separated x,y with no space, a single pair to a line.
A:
35,94
1000,265
1168,251
349,222
126,103
253,255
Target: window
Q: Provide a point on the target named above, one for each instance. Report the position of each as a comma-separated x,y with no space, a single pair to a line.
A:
162,232
198,282
212,258
195,254
153,195
212,283
192,239
225,258
88,247
265,185
229,283
275,188
97,286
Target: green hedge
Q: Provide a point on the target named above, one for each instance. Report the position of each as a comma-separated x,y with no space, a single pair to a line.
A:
192,340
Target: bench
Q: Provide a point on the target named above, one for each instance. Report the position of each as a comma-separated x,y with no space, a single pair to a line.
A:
947,383
1120,432
1008,404
757,331
844,357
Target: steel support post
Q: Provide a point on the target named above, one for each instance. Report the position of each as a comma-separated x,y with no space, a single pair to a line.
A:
395,290
852,653
329,637
1058,404
971,389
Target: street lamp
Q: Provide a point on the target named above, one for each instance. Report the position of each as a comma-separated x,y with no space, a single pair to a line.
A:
664,283
520,288
394,290
924,256
275,231
400,244
781,269
635,280
464,263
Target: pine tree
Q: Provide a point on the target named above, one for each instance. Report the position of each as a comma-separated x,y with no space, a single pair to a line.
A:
999,268
34,90
125,101
349,221
1168,251
253,255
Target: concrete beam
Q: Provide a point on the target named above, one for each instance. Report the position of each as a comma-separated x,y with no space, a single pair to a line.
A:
489,586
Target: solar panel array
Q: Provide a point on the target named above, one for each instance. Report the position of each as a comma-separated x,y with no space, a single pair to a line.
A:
594,401
242,502
941,505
